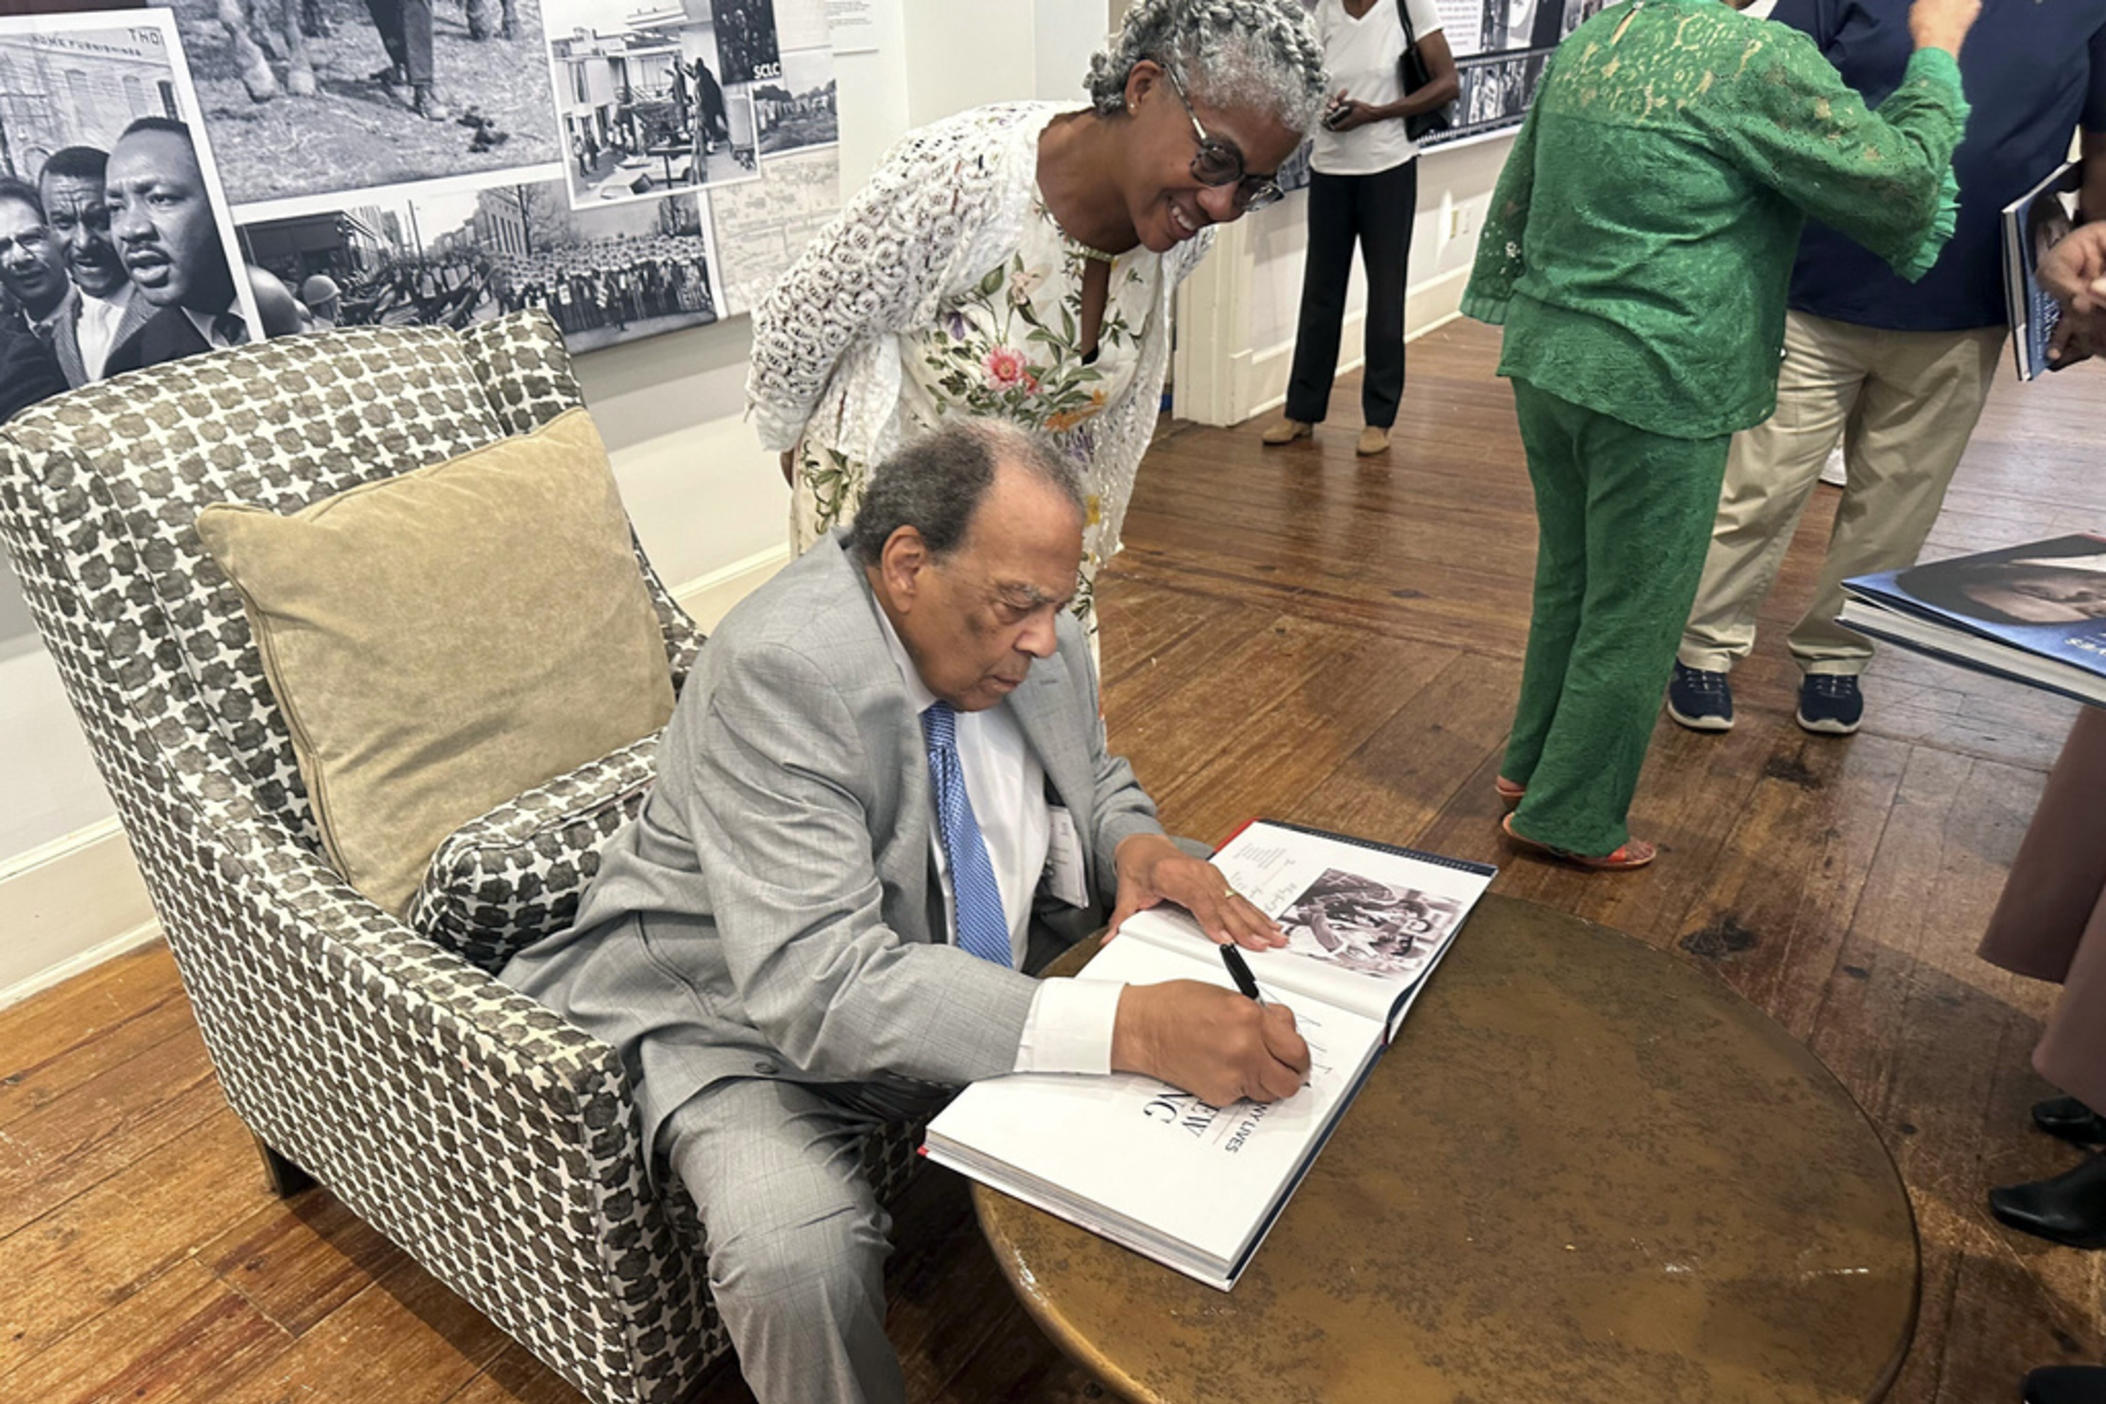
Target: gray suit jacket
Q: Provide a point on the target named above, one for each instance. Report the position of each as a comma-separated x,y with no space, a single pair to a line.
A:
774,911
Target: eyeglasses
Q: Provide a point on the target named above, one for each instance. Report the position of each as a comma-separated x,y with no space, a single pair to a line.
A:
1218,163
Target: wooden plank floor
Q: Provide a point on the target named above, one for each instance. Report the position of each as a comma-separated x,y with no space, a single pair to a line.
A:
1293,632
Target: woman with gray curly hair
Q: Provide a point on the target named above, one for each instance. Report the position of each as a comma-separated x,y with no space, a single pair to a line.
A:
1018,261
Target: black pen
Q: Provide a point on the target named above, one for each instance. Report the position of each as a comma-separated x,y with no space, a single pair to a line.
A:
1239,972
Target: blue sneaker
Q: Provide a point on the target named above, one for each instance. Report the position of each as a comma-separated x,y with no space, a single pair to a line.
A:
1830,704
1699,700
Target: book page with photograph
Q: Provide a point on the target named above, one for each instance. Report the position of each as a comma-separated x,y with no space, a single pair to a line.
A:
1188,1184
1364,924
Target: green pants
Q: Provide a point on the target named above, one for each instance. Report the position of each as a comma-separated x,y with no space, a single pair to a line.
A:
1623,518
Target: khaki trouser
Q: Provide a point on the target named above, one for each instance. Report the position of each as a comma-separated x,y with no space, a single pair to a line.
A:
1904,404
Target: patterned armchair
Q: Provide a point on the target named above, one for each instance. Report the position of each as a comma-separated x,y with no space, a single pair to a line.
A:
488,1138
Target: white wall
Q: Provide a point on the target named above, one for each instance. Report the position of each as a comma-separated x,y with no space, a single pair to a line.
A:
709,505
1237,334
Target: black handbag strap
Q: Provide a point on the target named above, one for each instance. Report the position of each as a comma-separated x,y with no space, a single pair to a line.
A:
1411,38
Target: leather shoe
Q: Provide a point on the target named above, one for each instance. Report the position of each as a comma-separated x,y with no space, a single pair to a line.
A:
2068,1209
2066,1384
2070,1120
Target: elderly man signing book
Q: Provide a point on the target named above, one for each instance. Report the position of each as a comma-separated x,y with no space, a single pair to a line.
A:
883,796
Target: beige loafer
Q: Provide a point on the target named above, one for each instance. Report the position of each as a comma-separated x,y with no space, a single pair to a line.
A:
1373,440
1286,432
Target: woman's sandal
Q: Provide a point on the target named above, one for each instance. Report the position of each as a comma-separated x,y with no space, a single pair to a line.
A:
1509,793
1634,854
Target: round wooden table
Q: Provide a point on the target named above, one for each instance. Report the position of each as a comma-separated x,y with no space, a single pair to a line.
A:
1586,1171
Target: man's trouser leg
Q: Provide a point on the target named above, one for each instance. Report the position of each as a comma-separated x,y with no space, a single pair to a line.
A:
387,22
1920,406
1770,476
1646,503
416,41
797,1240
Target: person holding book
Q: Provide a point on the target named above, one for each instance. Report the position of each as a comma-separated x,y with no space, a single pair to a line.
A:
1895,370
2074,272
1020,261
1364,188
883,796
1636,250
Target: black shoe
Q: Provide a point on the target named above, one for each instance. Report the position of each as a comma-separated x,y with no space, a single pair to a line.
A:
2066,1384
1699,700
1830,704
2070,1120
2069,1209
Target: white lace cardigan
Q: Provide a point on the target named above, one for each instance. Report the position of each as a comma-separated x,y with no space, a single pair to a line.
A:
947,204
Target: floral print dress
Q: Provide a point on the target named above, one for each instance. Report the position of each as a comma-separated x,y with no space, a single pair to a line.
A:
1010,347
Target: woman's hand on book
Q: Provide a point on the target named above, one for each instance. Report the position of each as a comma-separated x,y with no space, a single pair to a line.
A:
1152,870
1211,1042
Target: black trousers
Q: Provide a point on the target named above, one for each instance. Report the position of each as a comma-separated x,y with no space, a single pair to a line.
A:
1376,210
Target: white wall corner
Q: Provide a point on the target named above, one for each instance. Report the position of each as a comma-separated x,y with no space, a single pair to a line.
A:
708,598
68,905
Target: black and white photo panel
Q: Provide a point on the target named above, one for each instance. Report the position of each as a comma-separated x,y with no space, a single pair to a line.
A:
117,249
644,101
796,110
307,97
460,252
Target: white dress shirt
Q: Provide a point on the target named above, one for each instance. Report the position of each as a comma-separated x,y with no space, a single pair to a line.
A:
1069,1028
96,331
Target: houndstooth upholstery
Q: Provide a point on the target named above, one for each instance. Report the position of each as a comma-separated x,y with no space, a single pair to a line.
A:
479,1131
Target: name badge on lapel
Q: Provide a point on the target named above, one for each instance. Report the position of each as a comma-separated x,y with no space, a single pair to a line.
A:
1064,871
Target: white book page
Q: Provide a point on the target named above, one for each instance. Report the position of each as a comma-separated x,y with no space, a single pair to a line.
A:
1363,926
1147,1152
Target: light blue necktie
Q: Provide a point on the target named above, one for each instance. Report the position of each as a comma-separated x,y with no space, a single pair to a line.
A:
982,928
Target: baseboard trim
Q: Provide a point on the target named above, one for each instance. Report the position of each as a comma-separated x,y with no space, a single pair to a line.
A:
708,598
69,905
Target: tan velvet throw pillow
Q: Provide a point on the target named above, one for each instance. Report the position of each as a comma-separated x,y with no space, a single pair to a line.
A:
443,641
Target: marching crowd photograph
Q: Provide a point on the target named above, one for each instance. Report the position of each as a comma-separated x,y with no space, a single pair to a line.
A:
891,702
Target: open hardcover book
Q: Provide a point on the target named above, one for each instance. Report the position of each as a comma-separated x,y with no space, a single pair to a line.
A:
2035,613
1193,1186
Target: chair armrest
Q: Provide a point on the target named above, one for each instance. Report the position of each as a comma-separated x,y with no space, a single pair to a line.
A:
490,1139
506,879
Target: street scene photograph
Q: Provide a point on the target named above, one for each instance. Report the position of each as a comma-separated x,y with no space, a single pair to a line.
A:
797,111
643,102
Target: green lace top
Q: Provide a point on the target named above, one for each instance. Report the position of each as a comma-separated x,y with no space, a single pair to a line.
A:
1641,237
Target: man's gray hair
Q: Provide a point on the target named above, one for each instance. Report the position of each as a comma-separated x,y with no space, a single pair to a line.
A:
936,482
1249,55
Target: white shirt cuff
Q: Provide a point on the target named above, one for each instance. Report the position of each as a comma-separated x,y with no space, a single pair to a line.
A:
1069,1029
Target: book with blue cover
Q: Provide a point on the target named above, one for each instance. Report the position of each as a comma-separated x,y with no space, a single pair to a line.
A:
2034,613
2034,223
